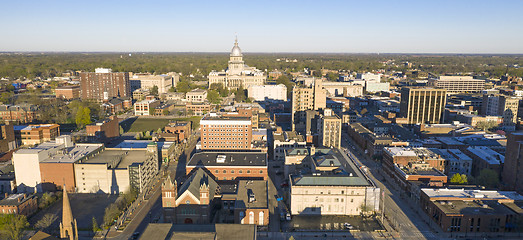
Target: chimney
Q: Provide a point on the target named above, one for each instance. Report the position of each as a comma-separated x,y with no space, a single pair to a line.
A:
6,195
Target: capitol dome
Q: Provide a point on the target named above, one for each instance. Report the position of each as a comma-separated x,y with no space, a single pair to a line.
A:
236,51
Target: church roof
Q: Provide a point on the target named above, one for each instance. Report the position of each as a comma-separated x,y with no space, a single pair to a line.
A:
193,184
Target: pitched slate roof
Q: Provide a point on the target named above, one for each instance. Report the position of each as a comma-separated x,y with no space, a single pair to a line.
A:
194,182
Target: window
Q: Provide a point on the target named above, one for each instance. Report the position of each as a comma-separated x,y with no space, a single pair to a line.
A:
232,171
251,217
240,171
261,217
261,171
224,171
216,171
187,202
248,171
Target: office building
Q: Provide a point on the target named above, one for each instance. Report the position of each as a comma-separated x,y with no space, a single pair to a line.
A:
196,96
225,133
237,74
329,129
460,84
472,211
146,107
422,105
103,84
268,92
501,105
146,81
230,165
67,92
50,165
36,134
307,97
284,140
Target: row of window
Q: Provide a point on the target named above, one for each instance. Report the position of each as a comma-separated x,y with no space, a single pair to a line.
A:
232,171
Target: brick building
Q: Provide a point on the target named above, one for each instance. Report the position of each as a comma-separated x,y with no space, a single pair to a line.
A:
226,133
67,92
104,129
103,84
473,211
7,138
230,165
194,109
18,113
20,203
36,134
182,129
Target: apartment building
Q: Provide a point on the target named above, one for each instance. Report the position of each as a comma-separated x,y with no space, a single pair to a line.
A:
103,84
196,96
36,134
225,133
67,92
329,129
147,81
307,97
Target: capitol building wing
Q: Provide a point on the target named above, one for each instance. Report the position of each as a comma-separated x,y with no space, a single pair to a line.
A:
238,73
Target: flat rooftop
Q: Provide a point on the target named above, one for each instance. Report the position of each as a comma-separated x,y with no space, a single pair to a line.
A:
471,194
473,207
71,155
256,187
255,159
133,144
118,158
287,136
487,154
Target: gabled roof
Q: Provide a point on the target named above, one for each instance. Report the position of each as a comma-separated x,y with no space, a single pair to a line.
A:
197,179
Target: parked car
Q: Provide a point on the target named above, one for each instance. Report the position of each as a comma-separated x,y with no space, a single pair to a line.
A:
348,226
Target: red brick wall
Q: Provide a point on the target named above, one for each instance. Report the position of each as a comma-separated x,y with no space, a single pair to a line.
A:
58,174
233,172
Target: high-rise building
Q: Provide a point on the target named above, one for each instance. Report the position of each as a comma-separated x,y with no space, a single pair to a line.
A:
513,165
501,105
308,97
329,129
422,105
225,133
460,84
103,84
237,74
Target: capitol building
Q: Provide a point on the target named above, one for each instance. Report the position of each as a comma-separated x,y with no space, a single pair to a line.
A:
237,74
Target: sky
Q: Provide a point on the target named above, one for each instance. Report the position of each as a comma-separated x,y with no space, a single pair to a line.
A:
388,26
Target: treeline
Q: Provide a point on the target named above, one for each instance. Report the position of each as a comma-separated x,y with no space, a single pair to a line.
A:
30,65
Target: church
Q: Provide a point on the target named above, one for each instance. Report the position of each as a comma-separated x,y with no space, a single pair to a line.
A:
237,74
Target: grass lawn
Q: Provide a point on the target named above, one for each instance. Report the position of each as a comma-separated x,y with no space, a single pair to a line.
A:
152,124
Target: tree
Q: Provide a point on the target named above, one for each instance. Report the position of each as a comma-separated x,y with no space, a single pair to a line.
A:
486,125
240,95
183,86
159,130
213,96
152,111
94,226
13,225
154,91
332,76
488,178
83,117
165,112
172,89
46,200
459,179
46,221
6,97
111,213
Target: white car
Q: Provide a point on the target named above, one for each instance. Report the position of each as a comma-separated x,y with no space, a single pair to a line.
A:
348,226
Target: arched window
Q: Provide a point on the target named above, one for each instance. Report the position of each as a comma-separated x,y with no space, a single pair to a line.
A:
261,217
242,216
251,217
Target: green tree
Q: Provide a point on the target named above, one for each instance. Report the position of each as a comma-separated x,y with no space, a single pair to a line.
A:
152,111
46,200
154,91
6,97
111,214
183,86
459,179
213,96
240,95
332,76
221,90
12,225
486,125
172,89
94,225
83,117
165,112
488,178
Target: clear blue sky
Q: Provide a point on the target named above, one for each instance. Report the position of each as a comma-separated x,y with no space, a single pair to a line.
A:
389,26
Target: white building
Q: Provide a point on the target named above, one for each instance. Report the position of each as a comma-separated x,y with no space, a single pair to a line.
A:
286,140
238,73
196,96
373,87
268,92
145,107
147,81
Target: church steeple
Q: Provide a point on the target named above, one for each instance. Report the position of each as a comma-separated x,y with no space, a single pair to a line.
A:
68,229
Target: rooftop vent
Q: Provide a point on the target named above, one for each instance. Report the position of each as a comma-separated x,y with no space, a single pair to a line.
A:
252,198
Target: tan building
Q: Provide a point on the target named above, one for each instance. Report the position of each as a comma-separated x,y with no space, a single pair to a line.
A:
196,96
67,92
329,129
237,74
268,92
422,105
284,140
181,128
228,133
197,109
36,134
343,191
460,84
146,107
504,106
103,84
147,81
307,97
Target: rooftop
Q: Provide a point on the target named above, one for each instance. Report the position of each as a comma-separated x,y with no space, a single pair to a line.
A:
487,154
288,136
257,188
471,194
115,158
473,207
255,159
15,199
133,144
